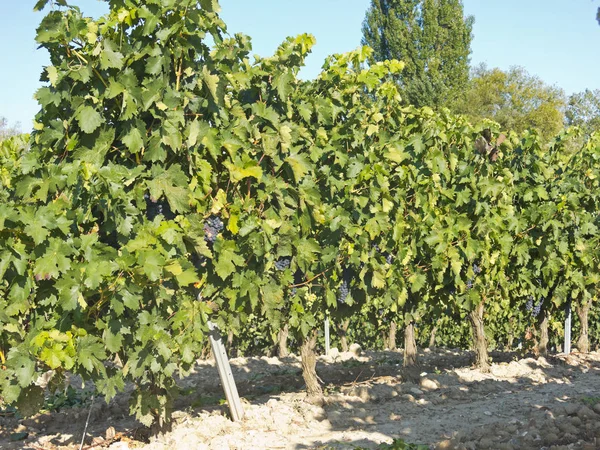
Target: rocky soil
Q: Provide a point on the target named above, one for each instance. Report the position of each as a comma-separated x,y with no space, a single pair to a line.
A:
528,403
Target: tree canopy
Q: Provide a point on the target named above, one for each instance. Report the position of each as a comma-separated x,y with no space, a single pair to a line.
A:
515,99
433,39
583,110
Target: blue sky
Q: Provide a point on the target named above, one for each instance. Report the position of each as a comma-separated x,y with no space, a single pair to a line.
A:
558,40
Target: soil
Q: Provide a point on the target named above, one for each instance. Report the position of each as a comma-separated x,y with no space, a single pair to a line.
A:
370,399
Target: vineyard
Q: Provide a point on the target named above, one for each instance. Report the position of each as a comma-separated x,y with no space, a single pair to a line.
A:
171,181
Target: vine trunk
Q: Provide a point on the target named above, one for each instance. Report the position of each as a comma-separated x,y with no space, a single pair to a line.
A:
410,345
583,343
479,339
314,391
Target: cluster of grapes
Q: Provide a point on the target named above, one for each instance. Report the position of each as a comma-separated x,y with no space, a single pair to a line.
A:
534,309
283,263
476,271
299,278
343,292
388,256
199,261
156,208
344,287
529,304
212,227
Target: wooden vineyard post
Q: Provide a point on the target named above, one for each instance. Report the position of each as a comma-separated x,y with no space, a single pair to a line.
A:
567,347
231,392
327,336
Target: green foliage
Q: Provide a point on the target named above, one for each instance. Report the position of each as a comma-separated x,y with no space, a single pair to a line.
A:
514,99
583,110
169,182
68,398
138,112
432,37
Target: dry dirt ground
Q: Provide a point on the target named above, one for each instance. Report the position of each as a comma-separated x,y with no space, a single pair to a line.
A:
543,403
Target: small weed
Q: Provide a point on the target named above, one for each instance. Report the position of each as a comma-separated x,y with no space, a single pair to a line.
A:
590,401
211,400
352,363
68,398
399,444
331,389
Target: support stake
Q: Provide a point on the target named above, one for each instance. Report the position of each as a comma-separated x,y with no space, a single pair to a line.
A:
567,347
231,392
327,343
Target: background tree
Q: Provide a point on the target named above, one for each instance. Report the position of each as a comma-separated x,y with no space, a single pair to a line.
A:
583,110
515,99
7,131
433,38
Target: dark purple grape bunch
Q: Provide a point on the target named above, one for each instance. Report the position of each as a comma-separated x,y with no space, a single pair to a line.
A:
343,292
344,289
283,263
212,227
534,309
156,208
388,256
529,304
153,208
476,271
299,278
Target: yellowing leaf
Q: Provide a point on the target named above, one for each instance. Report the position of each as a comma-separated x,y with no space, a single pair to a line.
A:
52,74
378,280
237,173
232,224
174,268
82,301
372,129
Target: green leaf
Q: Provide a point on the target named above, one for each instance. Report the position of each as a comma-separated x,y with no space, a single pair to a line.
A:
23,366
227,259
417,281
53,262
30,401
299,164
114,342
134,140
109,57
89,119
91,353
187,277
212,84
152,263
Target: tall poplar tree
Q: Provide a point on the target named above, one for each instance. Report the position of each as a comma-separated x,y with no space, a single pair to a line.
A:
433,39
